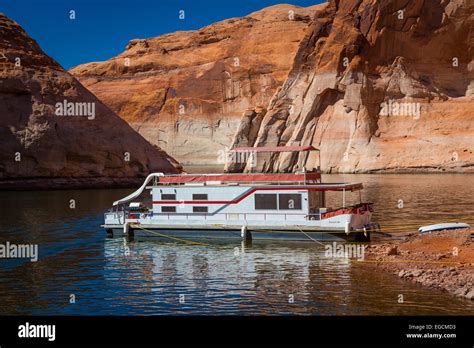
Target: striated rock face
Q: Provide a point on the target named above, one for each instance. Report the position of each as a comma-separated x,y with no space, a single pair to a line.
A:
187,91
377,86
41,139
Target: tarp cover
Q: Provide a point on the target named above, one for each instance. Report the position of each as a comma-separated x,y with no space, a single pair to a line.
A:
290,177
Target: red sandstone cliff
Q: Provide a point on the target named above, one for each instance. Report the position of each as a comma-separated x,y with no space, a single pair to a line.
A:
377,85
382,85
187,91
37,142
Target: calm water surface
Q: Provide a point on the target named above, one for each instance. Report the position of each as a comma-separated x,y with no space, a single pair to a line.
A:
113,276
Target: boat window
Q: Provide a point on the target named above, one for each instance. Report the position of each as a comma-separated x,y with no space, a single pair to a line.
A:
168,197
199,209
265,201
200,197
289,201
168,209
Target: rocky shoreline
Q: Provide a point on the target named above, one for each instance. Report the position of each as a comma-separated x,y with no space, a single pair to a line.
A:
442,260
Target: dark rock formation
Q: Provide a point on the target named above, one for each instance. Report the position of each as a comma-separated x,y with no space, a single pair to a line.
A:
39,138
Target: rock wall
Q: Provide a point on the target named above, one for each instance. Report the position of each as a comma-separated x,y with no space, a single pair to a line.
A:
39,140
186,91
377,86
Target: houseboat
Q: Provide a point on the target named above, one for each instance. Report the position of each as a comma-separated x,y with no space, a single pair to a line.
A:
247,206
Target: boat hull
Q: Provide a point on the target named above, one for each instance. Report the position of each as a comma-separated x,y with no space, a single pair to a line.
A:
233,234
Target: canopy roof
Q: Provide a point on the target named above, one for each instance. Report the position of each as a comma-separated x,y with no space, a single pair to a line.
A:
280,178
270,178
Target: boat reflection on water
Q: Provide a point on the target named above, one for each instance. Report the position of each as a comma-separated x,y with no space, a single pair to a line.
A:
116,277
260,278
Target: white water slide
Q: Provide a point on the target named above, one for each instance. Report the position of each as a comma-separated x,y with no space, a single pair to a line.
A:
140,190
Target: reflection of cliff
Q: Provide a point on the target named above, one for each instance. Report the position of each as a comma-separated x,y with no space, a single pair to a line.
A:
186,91
378,85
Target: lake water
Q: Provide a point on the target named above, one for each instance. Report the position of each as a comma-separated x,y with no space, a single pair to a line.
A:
114,276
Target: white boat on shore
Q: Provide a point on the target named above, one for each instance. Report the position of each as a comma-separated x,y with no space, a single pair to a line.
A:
443,226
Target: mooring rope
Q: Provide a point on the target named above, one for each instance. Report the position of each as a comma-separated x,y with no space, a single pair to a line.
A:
314,240
170,237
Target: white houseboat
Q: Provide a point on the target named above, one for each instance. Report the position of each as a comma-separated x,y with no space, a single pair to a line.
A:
280,206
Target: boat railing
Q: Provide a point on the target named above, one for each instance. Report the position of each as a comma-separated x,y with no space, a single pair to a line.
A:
353,209
113,214
313,216
275,183
245,216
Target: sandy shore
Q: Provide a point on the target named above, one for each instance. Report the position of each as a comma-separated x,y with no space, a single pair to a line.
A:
442,260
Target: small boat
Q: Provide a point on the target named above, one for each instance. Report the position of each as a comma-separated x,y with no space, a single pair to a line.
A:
246,206
444,226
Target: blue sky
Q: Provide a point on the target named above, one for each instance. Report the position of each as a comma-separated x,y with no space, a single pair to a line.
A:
102,28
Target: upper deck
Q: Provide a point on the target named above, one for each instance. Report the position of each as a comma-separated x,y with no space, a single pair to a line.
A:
302,180
225,179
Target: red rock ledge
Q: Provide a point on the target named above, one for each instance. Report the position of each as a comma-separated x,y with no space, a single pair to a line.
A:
442,260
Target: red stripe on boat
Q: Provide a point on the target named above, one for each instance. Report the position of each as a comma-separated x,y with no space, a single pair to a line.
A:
235,201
